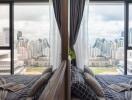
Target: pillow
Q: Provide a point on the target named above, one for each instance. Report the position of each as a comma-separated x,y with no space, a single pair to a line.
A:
94,84
80,89
88,70
74,68
38,86
48,69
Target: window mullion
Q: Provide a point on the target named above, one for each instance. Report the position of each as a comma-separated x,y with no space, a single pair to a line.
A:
126,36
12,35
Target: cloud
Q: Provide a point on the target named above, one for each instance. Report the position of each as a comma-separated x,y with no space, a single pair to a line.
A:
105,20
31,12
4,12
108,12
32,20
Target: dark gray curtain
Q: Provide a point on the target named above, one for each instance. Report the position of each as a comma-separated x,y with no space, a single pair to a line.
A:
57,11
76,14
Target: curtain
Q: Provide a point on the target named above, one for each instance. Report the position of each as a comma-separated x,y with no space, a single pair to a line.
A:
55,37
57,12
80,38
76,14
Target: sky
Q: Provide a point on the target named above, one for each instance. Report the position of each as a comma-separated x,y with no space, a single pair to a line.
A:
30,19
106,21
103,21
33,20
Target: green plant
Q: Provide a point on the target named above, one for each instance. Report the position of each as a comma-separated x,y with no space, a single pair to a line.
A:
72,54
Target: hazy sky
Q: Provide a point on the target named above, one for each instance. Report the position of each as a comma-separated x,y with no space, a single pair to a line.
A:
104,20
32,20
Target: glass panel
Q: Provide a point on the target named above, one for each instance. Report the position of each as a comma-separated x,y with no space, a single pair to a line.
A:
5,62
4,25
130,26
31,38
106,38
129,52
129,62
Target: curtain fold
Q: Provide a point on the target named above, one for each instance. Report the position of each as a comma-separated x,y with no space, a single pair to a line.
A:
76,14
55,33
57,12
81,45
79,31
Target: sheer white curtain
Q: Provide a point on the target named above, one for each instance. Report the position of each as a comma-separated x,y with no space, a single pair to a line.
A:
55,39
81,45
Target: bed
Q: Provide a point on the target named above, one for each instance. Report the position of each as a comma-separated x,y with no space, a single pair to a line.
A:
81,90
27,80
50,89
106,80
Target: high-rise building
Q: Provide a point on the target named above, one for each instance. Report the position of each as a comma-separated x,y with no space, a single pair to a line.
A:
130,37
19,34
1,39
6,36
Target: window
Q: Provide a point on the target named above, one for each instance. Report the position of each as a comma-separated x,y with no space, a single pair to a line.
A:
129,52
5,60
31,38
4,25
5,55
106,38
130,27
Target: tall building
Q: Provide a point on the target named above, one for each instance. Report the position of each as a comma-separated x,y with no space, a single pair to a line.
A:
94,52
130,37
1,39
4,37
19,34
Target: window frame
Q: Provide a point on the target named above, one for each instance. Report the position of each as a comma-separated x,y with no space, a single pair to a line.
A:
10,32
128,2
11,27
11,4
126,26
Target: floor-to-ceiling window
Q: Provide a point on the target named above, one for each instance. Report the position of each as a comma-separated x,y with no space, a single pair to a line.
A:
129,52
5,57
31,37
106,38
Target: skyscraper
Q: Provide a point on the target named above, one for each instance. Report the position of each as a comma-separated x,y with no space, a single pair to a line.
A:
130,37
19,34
6,36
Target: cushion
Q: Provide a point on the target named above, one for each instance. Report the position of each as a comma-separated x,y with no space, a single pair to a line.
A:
88,70
48,69
94,84
38,86
74,68
79,89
